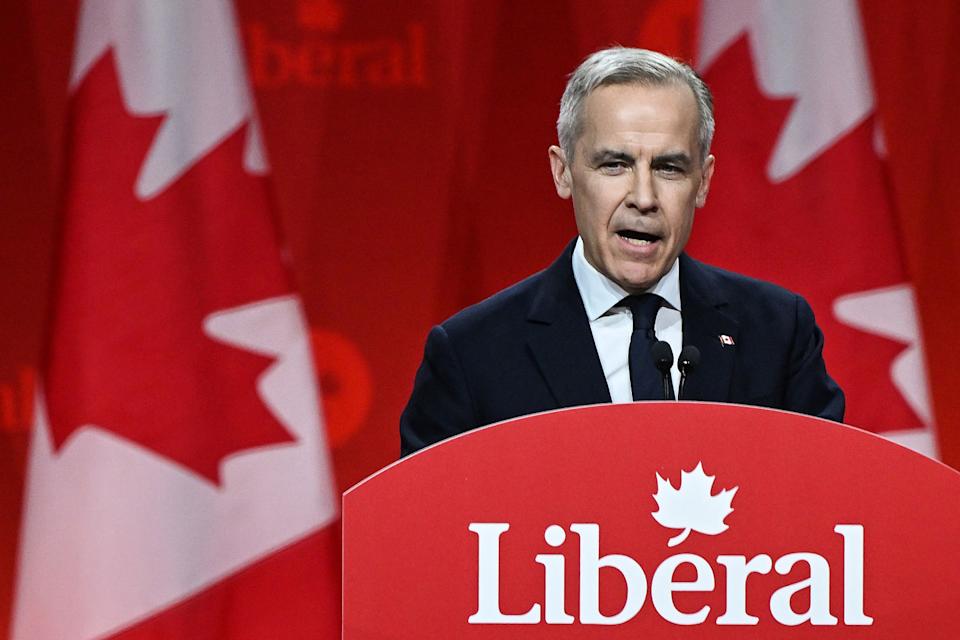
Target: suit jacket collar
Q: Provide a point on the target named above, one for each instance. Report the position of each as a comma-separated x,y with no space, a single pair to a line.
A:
708,324
559,337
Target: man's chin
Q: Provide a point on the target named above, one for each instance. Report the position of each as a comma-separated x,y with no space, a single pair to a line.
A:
635,283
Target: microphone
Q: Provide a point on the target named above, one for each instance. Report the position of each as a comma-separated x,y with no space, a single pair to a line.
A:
687,362
663,359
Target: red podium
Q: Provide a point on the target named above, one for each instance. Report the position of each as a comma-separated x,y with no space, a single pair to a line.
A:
655,520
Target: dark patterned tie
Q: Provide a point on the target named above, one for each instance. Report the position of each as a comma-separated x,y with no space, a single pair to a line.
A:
645,379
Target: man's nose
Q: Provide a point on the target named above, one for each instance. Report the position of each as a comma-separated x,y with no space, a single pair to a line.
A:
643,191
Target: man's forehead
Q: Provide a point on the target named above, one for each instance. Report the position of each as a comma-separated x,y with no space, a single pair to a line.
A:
613,115
674,91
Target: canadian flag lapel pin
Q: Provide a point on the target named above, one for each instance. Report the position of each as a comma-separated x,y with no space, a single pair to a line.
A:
726,340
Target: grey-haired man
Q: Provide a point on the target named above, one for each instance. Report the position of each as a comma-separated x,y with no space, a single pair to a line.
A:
634,132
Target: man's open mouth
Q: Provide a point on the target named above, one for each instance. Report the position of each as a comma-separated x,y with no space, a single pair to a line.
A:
637,238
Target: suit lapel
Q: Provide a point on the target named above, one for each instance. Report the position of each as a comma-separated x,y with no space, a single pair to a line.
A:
561,341
708,326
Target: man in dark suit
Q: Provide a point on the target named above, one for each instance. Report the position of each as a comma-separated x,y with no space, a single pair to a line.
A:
634,129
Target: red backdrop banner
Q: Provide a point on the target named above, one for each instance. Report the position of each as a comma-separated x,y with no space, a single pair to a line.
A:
408,144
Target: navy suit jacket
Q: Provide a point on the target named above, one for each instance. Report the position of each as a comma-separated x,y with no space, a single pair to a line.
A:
529,348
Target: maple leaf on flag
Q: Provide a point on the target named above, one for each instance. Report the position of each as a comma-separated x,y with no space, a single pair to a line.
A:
144,277
691,507
823,230
179,483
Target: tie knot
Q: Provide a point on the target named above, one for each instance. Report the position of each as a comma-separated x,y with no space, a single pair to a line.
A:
644,308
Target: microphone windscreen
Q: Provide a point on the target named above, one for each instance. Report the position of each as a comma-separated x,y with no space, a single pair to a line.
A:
662,356
689,358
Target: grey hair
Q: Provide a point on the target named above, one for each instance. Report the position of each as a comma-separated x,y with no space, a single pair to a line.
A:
623,65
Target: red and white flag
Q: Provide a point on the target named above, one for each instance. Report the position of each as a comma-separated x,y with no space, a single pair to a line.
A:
800,195
179,483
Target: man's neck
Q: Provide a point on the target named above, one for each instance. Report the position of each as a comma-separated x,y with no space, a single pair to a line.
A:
599,293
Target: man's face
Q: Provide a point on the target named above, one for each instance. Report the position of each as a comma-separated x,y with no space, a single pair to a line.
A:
635,179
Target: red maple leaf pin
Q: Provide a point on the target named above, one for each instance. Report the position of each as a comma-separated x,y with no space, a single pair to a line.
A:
138,278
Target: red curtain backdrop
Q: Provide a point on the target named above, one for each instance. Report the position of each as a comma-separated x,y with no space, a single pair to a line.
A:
408,144
915,57
409,150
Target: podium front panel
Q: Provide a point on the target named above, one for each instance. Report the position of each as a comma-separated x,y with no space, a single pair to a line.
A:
655,520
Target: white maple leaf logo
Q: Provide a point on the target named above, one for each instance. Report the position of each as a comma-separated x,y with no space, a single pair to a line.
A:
691,507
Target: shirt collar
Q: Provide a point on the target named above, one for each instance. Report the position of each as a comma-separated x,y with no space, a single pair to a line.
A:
600,293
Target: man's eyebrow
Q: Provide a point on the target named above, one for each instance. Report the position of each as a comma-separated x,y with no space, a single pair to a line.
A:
679,158
606,155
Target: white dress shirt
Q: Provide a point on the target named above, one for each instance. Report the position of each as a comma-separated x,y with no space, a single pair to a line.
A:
612,325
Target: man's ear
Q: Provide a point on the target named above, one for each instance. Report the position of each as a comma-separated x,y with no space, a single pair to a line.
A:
707,175
560,170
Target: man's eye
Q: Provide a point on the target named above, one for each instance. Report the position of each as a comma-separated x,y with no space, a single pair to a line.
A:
613,167
671,169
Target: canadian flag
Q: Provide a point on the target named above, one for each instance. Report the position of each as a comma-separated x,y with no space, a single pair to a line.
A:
178,482
800,195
